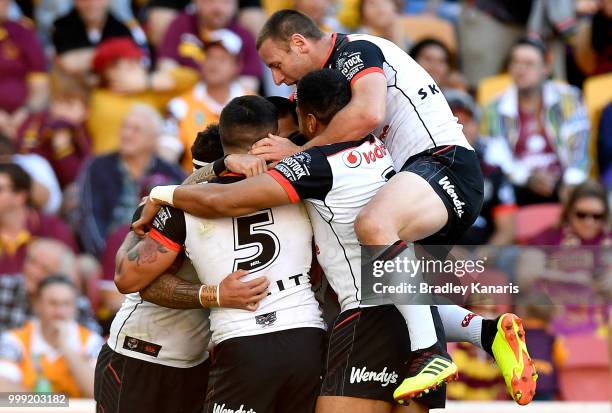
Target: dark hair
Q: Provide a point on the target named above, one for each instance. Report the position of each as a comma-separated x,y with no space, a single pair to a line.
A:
6,145
284,107
20,179
323,93
207,146
587,189
284,23
535,43
53,280
245,120
418,47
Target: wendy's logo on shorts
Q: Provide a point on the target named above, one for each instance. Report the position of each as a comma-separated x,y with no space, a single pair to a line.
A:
383,377
352,158
467,319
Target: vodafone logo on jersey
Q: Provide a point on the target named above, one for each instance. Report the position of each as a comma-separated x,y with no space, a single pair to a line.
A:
352,158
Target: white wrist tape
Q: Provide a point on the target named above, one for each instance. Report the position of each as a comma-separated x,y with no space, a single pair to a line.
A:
164,194
200,295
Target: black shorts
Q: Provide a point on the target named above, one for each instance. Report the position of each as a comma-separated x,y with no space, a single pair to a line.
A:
273,372
128,385
454,173
368,354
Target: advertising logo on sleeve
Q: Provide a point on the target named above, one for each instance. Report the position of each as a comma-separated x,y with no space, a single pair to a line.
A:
352,158
295,167
160,220
350,64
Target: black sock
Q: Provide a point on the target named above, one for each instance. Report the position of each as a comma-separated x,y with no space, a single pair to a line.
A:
487,335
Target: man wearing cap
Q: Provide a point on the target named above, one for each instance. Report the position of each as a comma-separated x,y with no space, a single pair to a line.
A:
124,81
202,105
192,28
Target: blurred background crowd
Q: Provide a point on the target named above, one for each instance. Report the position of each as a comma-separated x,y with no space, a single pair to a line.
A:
100,100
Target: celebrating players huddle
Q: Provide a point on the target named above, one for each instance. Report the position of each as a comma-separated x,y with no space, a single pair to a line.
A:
227,260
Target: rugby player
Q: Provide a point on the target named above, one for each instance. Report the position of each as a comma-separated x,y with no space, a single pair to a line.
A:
159,338
359,377
437,193
268,360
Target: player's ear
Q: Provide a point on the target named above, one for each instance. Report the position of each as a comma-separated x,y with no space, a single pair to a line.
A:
311,124
298,42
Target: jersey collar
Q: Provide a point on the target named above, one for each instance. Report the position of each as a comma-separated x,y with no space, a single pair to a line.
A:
331,49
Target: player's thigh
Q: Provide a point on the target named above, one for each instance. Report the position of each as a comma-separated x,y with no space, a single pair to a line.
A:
342,404
406,207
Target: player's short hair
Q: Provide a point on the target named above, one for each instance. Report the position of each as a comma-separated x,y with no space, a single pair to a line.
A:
207,146
54,280
323,93
244,121
284,107
285,23
20,180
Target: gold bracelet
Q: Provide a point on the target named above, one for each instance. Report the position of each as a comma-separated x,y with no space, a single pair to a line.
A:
208,296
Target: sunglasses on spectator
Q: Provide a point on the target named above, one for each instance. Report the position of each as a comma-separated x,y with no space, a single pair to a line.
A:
585,215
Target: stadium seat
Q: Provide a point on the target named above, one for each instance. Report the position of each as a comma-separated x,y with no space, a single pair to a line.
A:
585,375
597,94
533,219
422,27
490,87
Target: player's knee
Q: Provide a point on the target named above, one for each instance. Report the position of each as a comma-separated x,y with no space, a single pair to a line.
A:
373,229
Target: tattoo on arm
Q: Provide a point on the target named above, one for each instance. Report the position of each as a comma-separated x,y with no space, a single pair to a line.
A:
146,251
172,292
130,242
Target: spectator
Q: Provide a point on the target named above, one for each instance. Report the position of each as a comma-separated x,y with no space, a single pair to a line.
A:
51,352
319,11
23,81
183,41
593,47
437,59
496,222
384,18
126,81
488,29
20,223
59,134
112,185
604,146
583,221
88,23
45,193
44,258
193,111
539,129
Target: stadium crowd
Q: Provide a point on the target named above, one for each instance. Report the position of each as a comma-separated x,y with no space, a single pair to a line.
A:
101,100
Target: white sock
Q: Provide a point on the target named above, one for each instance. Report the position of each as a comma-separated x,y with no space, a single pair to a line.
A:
420,325
461,324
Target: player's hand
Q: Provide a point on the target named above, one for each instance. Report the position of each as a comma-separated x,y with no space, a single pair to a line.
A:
235,293
148,213
274,148
247,165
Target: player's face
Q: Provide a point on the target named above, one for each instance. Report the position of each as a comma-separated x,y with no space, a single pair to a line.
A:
527,67
287,61
588,217
286,126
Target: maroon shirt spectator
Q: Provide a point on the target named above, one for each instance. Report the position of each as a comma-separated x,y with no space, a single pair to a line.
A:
21,56
20,224
188,31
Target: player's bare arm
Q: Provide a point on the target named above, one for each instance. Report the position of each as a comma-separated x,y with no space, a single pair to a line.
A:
170,291
214,200
364,113
139,265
